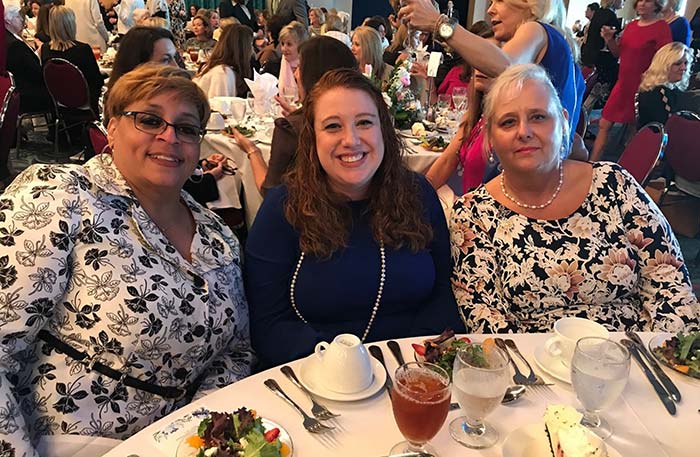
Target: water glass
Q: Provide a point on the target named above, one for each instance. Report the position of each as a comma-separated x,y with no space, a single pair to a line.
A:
290,94
480,376
443,104
459,98
420,400
599,371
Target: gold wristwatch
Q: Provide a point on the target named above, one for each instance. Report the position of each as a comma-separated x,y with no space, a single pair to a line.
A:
444,27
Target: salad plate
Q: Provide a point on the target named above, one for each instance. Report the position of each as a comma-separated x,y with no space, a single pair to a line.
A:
681,355
309,376
185,450
551,365
532,441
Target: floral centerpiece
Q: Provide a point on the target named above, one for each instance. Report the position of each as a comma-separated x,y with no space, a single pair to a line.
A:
403,105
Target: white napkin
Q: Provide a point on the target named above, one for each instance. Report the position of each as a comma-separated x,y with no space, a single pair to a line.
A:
263,86
421,52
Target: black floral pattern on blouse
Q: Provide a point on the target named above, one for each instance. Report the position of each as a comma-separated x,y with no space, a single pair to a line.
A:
615,260
82,260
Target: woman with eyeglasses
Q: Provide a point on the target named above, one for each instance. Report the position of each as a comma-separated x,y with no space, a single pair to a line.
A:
123,296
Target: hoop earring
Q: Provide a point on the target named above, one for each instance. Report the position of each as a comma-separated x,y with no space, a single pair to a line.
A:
197,175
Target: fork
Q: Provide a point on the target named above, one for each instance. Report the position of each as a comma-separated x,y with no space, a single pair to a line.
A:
519,377
533,379
319,411
310,424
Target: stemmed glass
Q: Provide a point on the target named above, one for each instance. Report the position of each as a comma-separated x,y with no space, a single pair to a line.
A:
480,376
290,95
459,98
410,44
420,400
599,371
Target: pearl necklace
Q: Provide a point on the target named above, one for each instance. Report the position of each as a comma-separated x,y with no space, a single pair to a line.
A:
525,205
375,308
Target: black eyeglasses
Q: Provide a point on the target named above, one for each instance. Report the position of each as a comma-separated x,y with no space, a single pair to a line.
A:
155,125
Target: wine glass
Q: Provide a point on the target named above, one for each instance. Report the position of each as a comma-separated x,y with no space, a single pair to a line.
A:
443,104
410,44
290,94
459,98
420,400
250,102
599,371
480,376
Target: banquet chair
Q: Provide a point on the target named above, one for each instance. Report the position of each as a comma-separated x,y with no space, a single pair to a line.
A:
642,153
97,139
9,112
682,158
70,94
583,121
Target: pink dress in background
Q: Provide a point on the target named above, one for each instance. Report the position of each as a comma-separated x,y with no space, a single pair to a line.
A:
452,80
637,48
471,155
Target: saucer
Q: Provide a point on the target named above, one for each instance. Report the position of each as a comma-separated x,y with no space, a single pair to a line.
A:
532,441
552,365
308,375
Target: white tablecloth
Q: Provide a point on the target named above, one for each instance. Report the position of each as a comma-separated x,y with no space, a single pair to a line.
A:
231,188
366,428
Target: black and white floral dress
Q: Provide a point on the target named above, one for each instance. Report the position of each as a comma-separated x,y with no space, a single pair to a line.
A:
82,260
615,260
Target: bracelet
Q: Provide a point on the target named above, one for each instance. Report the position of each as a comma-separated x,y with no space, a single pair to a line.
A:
436,29
252,151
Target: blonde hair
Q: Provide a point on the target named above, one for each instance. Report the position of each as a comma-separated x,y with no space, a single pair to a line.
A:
319,13
371,45
552,12
151,79
657,73
334,23
296,30
225,22
62,28
511,82
155,21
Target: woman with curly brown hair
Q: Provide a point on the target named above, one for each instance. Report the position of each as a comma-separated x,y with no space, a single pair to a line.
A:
354,242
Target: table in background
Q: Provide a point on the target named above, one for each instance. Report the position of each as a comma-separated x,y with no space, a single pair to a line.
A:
366,428
231,187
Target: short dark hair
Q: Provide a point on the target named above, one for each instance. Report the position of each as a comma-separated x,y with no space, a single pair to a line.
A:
321,54
593,6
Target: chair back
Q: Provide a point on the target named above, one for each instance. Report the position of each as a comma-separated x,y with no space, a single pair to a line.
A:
583,120
591,81
66,84
642,153
9,111
682,152
97,136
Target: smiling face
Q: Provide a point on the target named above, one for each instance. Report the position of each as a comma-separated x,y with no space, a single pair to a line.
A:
290,47
35,9
155,162
506,18
525,130
356,49
349,140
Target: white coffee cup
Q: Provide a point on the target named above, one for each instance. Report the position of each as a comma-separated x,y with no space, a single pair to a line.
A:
345,365
567,331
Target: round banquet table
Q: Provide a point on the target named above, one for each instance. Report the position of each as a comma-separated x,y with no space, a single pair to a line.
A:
240,191
366,428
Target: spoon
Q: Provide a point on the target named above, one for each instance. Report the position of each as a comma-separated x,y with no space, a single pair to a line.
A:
512,394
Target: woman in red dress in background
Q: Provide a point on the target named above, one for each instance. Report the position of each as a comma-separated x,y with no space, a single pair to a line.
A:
637,46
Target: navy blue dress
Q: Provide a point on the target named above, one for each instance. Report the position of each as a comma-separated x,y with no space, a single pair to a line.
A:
337,295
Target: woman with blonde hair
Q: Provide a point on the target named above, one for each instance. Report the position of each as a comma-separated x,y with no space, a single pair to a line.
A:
63,45
316,21
291,36
367,49
635,48
680,27
662,91
531,31
229,63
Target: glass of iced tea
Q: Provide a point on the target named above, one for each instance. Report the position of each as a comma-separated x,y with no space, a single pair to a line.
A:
420,399
480,376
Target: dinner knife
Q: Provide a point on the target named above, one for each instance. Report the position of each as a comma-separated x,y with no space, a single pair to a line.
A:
658,388
660,373
396,350
377,353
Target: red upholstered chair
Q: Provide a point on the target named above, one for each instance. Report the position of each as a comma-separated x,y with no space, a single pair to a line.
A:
9,112
97,136
682,152
642,153
70,94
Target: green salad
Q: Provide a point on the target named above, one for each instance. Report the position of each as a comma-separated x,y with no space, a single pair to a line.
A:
682,352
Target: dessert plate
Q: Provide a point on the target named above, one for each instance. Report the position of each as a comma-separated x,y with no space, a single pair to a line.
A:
552,365
531,441
185,450
309,376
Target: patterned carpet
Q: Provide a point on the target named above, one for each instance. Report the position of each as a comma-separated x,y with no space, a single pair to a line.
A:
39,150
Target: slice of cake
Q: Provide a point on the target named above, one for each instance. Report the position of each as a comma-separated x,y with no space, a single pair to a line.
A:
567,437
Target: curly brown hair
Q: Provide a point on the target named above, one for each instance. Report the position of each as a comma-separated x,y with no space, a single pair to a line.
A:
322,215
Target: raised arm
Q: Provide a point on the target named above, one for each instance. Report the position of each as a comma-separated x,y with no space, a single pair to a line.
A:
664,282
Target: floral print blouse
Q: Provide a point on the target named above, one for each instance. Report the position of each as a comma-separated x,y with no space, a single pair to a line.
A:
615,260
81,259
